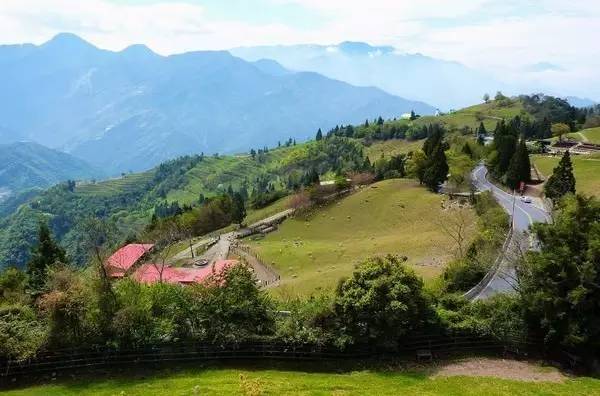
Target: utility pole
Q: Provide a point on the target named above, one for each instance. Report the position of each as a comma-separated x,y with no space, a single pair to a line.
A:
513,209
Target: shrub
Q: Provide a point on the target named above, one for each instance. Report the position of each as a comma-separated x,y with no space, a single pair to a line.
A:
380,303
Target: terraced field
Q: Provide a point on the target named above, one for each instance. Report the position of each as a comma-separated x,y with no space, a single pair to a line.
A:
121,185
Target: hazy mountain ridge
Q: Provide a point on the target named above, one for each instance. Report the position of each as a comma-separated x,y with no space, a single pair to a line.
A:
441,83
26,165
132,109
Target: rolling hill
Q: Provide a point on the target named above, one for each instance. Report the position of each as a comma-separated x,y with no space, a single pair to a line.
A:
130,110
27,165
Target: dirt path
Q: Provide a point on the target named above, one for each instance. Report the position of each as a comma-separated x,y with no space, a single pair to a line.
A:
499,368
265,275
583,137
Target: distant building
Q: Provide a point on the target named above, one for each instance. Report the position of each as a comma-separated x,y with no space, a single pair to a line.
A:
151,273
405,116
123,260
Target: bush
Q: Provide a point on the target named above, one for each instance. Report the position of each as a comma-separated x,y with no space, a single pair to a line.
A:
500,317
380,303
22,334
309,321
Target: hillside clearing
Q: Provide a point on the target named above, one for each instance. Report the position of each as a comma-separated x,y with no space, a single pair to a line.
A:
488,113
395,216
392,147
591,135
586,169
334,378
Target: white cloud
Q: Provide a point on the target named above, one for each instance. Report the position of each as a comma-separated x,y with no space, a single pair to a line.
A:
501,36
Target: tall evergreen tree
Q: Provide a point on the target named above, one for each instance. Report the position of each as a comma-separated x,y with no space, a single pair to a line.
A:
44,255
319,135
436,168
238,208
505,143
519,169
562,180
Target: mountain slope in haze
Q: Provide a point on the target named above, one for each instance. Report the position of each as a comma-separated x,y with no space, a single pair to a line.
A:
449,85
27,165
132,109
580,102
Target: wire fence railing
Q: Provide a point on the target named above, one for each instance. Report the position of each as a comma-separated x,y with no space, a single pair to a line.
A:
104,357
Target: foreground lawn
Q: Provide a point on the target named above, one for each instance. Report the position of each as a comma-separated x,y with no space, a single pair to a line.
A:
296,381
394,216
586,169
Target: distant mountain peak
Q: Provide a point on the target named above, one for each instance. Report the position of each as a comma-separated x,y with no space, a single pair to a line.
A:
67,40
360,48
138,50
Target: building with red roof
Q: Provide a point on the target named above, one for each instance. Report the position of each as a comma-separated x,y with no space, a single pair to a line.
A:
151,273
122,261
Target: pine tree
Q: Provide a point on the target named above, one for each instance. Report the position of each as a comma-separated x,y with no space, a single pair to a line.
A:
481,130
319,135
44,255
436,168
562,180
239,208
413,116
519,169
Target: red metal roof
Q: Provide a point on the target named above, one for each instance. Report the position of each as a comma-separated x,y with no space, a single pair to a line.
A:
123,259
151,273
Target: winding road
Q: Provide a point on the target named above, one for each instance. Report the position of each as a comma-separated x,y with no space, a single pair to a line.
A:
525,214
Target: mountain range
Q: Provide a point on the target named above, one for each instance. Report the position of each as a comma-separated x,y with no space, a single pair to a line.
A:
25,165
448,85
130,110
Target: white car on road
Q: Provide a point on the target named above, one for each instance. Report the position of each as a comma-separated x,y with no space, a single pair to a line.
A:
526,199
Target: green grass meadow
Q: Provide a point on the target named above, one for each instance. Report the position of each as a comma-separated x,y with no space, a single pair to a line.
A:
312,252
280,379
592,135
586,170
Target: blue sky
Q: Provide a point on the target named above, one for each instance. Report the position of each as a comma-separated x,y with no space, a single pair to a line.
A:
509,38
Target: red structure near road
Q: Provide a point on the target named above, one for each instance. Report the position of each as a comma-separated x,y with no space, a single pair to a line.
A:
122,261
153,273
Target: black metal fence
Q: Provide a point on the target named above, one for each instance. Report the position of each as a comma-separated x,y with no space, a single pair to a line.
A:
75,359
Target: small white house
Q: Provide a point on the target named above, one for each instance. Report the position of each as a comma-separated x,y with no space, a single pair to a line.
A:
405,116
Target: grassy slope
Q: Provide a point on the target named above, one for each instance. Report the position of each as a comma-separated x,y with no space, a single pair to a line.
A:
227,381
586,169
397,216
489,113
392,147
592,135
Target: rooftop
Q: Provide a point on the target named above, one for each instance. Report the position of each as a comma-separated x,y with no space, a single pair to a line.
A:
151,273
124,258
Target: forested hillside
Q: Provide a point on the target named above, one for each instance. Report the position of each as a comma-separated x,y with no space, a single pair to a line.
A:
27,165
128,203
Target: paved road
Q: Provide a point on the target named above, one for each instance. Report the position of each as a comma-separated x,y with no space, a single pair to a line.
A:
525,214
220,250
